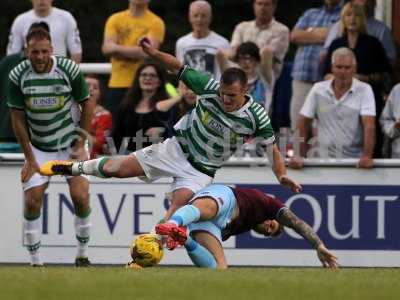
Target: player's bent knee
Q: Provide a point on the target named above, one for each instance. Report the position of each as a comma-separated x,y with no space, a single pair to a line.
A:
79,189
33,204
207,206
34,198
181,197
80,196
111,167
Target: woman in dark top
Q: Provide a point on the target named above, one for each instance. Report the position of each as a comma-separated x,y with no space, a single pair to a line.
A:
138,116
177,106
373,66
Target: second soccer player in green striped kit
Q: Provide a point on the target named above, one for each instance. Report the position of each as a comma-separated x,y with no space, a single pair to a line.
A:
45,94
224,117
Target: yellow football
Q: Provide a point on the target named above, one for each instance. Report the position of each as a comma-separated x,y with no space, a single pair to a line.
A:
146,250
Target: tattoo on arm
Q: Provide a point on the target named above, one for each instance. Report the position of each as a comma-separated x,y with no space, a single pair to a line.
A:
289,219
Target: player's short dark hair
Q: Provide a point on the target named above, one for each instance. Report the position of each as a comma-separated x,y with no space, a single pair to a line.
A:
38,33
248,49
38,25
232,75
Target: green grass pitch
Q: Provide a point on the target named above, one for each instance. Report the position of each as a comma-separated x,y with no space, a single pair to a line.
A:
51,282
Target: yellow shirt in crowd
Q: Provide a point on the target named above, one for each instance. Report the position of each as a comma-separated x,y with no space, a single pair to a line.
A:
127,30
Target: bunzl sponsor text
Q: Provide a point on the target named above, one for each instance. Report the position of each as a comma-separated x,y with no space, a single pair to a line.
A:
119,211
45,102
346,217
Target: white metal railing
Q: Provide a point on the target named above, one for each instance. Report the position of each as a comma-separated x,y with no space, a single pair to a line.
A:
97,68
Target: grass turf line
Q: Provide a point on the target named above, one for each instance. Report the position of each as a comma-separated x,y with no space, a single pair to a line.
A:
193,283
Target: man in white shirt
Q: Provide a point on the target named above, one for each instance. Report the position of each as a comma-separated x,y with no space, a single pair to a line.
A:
390,121
345,111
267,33
198,48
63,29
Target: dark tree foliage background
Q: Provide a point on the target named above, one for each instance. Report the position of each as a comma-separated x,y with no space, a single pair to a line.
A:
91,16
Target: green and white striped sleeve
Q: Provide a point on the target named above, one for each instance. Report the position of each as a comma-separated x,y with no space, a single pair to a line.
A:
264,128
198,82
14,97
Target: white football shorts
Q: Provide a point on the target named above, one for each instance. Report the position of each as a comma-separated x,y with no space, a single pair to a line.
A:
41,158
167,159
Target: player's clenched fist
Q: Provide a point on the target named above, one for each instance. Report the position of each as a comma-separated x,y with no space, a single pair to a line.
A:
147,45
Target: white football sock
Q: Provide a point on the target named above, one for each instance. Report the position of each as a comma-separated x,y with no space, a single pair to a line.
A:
32,238
82,229
90,167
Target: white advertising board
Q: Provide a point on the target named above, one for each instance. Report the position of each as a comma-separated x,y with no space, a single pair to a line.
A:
354,211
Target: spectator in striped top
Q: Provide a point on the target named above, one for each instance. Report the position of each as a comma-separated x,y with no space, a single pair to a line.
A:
50,113
224,117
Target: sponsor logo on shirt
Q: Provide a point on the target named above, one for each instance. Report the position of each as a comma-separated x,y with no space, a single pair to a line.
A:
46,102
218,127
58,89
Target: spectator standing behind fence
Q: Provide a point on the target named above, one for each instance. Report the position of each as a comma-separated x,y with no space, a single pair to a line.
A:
309,35
63,29
268,34
345,109
390,121
197,49
373,67
121,35
101,124
375,28
258,70
138,116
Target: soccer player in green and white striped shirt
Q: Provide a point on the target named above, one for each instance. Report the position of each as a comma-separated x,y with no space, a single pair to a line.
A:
204,138
45,94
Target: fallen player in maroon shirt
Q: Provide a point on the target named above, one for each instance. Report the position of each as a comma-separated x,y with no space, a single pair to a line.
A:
217,212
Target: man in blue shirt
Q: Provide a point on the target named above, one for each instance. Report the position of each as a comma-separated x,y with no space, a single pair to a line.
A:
309,35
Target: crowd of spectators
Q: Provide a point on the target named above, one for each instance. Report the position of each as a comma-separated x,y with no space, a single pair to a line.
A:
341,76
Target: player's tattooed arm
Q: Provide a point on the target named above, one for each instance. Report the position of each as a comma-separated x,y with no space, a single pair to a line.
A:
289,219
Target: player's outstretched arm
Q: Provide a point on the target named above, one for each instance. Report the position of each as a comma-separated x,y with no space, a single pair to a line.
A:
170,61
278,166
327,258
289,219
